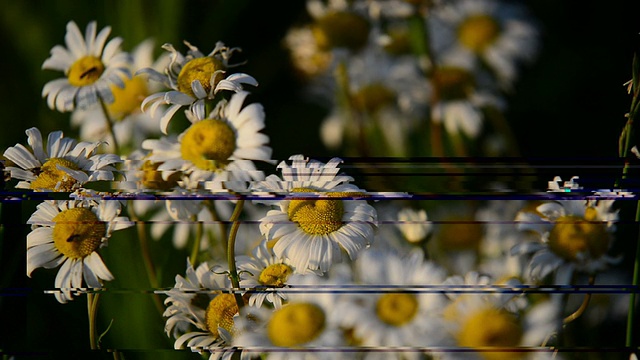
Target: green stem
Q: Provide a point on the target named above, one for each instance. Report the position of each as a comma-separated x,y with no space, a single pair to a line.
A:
231,253
146,256
635,282
354,121
585,303
92,309
109,124
195,249
419,37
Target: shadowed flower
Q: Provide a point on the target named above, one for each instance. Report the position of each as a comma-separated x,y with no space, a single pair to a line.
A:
193,79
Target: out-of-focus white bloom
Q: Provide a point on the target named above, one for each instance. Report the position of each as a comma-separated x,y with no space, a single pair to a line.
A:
575,235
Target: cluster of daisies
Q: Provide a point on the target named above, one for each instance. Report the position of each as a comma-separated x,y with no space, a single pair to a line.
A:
301,262
439,68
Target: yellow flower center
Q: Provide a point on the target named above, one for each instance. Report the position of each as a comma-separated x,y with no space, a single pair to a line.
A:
397,309
201,69
373,97
127,99
341,29
220,312
295,324
400,42
316,217
491,327
452,83
208,144
77,232
152,178
478,31
49,176
460,234
85,71
275,275
572,235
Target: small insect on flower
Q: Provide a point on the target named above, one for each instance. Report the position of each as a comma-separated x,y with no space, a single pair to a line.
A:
63,166
90,69
69,233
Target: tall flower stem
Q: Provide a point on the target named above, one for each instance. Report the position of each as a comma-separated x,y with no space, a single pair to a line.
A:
195,249
585,303
146,256
231,252
625,144
92,309
109,124
634,282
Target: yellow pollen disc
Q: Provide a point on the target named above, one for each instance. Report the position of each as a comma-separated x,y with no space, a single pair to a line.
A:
208,144
572,235
396,309
400,43
49,176
85,71
316,217
478,31
460,234
341,29
77,232
373,97
127,99
295,324
275,275
452,83
152,178
201,69
220,312
491,328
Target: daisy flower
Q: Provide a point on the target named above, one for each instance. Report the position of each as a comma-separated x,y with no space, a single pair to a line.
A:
395,314
320,216
413,224
193,79
574,235
388,92
309,60
500,235
91,68
460,93
263,274
130,125
63,166
336,28
224,144
338,24
142,175
499,33
199,315
305,328
480,324
69,233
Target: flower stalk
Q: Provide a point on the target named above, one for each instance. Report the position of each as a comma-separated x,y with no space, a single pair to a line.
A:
231,253
626,141
109,125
